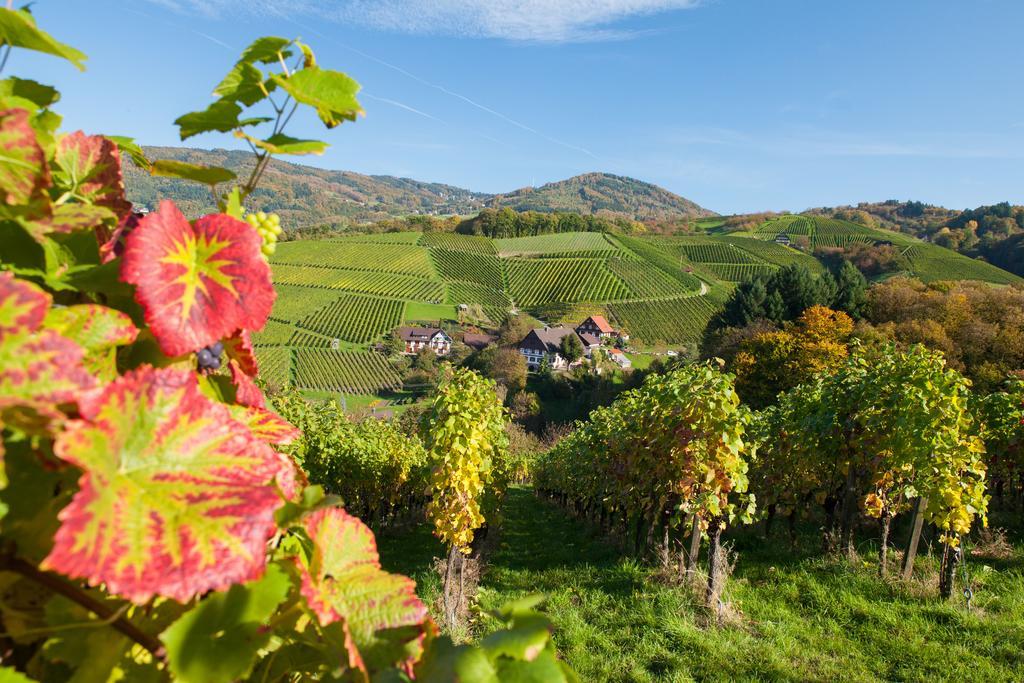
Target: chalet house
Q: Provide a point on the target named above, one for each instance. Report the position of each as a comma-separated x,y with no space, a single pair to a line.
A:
547,343
418,338
597,326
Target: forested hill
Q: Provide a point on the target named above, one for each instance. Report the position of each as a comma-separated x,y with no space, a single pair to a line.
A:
306,196
600,193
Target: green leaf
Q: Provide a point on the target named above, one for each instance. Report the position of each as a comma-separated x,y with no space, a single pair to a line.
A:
24,173
265,50
208,175
284,144
245,84
219,639
332,93
12,676
221,116
525,641
18,28
38,94
132,149
444,661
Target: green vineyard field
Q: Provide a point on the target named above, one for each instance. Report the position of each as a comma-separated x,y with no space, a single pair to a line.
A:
455,242
540,281
555,243
275,364
645,282
355,372
468,266
367,282
671,321
383,257
356,318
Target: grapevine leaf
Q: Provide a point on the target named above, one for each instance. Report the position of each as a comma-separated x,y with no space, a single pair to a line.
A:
68,218
266,425
284,144
220,116
219,639
445,661
132,149
18,29
23,306
208,175
98,330
525,640
89,166
39,369
197,283
11,676
265,50
331,93
246,391
38,94
245,84
344,583
239,348
24,174
176,498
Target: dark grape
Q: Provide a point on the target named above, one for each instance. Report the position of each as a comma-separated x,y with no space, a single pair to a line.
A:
209,357
217,348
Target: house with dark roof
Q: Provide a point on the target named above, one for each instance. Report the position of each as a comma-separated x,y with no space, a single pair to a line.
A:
547,343
597,326
418,338
478,342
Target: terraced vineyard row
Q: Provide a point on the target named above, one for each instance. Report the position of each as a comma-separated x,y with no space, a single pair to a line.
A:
715,252
541,281
367,282
670,321
645,282
931,263
484,269
354,372
275,364
405,259
738,272
456,242
275,332
771,252
303,337
356,318
554,243
382,237
672,266
296,302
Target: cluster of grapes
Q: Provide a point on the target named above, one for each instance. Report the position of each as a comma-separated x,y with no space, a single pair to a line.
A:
209,356
268,225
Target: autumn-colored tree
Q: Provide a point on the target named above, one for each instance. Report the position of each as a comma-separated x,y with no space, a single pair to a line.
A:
772,362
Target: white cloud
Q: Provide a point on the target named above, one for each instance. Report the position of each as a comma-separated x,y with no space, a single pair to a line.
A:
530,20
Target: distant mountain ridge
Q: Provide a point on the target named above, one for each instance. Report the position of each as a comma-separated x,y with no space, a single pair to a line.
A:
306,196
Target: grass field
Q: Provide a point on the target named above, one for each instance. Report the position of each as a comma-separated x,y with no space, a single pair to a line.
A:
791,615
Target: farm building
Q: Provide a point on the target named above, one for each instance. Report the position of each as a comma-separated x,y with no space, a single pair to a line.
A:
597,326
783,239
418,338
547,343
620,359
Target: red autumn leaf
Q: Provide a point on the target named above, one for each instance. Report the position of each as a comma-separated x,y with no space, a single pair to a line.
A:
112,241
176,498
22,305
383,619
239,347
90,167
24,174
68,218
197,283
266,425
246,391
39,369
98,330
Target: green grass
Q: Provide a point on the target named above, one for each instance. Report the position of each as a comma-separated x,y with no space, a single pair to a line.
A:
795,616
416,310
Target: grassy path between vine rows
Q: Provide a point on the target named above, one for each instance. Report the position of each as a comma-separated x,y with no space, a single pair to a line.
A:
798,617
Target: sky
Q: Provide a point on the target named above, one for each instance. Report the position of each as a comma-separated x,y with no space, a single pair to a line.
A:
739,105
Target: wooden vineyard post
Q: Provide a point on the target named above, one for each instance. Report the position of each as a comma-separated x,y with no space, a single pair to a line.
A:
691,563
915,537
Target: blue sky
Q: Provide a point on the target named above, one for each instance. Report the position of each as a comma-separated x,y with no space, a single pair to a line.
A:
740,105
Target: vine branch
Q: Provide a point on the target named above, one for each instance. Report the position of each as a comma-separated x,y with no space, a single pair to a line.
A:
71,592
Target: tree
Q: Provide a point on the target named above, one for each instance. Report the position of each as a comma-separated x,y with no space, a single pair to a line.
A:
505,366
514,329
851,290
772,362
571,347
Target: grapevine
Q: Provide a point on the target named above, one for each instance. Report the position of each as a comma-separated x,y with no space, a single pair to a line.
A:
269,228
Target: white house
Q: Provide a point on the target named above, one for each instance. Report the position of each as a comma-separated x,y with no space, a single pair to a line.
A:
419,338
547,343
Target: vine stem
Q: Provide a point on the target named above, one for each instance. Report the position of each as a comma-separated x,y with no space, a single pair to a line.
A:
78,596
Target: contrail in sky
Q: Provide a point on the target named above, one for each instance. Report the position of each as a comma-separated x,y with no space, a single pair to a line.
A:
451,93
